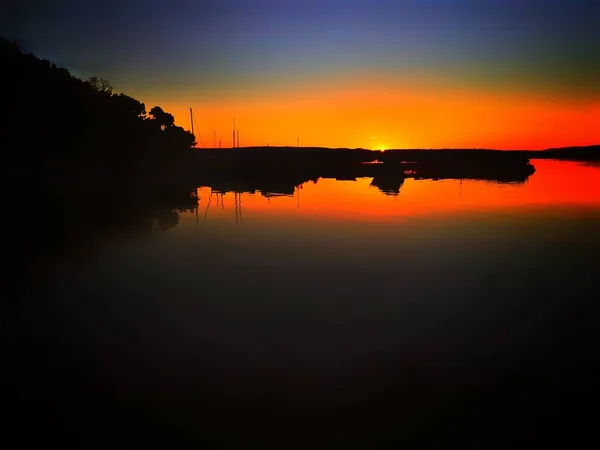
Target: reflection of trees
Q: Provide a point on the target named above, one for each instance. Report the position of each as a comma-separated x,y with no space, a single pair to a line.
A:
279,171
389,186
167,219
51,218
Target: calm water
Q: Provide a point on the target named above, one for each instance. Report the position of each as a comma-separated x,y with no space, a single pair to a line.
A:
340,311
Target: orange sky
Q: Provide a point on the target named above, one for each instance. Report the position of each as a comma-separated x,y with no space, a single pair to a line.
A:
510,74
378,113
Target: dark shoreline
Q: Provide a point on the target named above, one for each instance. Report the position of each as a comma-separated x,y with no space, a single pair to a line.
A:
276,170
574,153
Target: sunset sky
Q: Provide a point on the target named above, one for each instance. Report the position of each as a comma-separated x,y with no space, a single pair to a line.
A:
356,73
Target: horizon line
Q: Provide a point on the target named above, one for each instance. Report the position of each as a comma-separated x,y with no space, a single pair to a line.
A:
590,146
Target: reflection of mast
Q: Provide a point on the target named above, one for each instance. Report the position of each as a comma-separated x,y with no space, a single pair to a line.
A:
208,205
460,192
237,207
197,205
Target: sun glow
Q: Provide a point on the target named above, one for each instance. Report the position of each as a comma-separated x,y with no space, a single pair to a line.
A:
368,113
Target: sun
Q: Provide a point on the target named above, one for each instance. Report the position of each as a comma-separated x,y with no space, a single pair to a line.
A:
381,147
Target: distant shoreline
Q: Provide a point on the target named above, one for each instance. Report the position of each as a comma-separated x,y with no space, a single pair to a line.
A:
574,153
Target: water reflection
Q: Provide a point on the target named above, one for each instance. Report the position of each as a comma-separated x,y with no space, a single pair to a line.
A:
278,173
554,183
332,312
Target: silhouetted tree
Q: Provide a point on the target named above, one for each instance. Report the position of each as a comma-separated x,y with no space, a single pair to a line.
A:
162,118
49,114
100,85
179,137
129,106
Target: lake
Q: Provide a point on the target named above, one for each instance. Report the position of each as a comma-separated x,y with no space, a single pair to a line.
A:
455,308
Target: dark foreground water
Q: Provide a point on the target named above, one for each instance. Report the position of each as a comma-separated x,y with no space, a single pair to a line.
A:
457,311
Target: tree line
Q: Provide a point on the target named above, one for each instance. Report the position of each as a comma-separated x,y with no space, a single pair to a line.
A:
47,113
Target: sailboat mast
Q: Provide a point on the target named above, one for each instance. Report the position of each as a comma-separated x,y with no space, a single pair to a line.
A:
192,120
